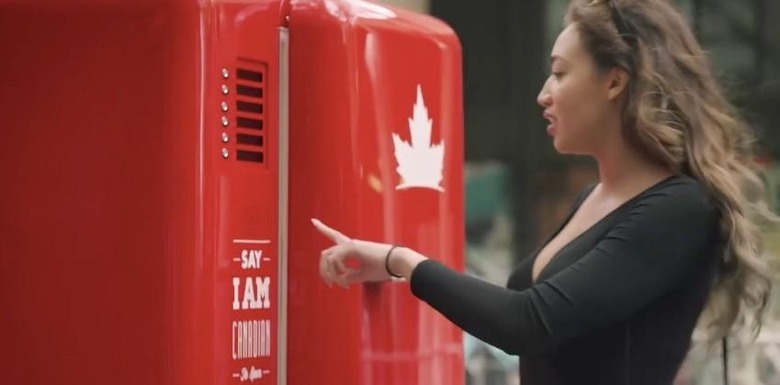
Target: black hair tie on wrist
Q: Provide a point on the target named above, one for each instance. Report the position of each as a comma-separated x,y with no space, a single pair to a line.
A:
387,263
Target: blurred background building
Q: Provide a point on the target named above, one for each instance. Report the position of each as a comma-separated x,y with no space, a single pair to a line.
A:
518,188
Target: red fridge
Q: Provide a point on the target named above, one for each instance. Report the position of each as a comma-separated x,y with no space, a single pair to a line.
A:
161,161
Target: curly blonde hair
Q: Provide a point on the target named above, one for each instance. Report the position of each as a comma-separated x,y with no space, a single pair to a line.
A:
676,114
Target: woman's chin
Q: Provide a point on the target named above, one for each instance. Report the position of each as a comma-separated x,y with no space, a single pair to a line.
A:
564,148
559,147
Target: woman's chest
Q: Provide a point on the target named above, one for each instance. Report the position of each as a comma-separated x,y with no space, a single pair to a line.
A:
566,255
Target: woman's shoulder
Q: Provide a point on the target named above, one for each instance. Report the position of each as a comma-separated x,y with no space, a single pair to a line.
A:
680,196
681,188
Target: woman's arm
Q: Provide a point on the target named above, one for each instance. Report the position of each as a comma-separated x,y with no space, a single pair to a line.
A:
644,255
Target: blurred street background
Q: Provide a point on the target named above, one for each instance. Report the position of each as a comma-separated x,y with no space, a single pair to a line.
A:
518,188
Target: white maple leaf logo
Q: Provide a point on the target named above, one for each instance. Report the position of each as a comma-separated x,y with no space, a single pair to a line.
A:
420,163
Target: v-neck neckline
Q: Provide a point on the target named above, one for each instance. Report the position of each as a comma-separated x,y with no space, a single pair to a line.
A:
596,224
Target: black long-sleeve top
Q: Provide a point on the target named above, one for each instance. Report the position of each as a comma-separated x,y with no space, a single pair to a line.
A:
617,305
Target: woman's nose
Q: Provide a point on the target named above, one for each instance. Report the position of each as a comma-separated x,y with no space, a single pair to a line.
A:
544,99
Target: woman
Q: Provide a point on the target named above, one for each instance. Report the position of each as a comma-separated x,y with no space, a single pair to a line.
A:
613,296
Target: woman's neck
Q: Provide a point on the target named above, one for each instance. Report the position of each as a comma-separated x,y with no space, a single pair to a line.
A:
623,170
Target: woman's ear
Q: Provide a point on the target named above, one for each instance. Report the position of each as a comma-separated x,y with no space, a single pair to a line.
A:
616,82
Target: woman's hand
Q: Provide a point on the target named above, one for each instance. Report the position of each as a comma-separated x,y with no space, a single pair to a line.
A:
370,257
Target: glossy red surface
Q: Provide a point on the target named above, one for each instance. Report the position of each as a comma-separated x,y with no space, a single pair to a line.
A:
355,71
119,216
124,227
99,205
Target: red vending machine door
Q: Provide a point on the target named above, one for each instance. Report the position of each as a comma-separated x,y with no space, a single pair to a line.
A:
376,150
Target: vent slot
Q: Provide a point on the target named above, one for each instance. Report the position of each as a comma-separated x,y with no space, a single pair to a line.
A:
252,92
249,156
255,124
256,108
254,140
252,76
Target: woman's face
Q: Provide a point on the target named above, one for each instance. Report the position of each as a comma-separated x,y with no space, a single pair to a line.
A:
577,98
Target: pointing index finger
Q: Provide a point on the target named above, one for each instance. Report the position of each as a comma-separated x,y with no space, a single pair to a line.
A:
333,234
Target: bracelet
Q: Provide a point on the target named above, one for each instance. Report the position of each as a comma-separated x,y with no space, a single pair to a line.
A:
387,263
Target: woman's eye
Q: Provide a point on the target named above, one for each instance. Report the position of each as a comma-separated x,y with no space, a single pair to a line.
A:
557,74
